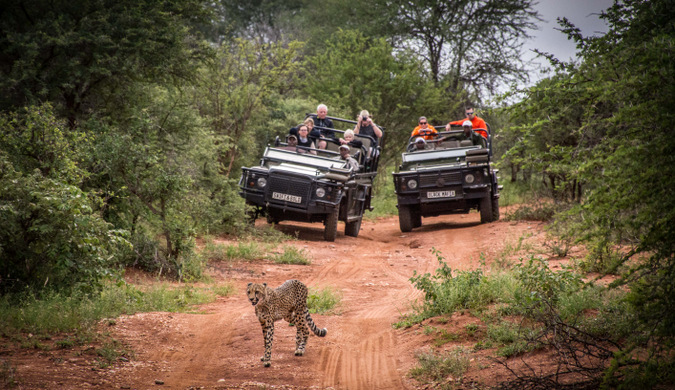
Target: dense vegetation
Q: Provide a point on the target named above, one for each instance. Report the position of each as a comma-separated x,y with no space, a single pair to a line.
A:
125,124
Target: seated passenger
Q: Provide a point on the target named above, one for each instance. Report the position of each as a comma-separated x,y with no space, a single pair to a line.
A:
304,140
424,130
321,120
351,162
366,126
471,135
420,144
476,123
349,140
291,143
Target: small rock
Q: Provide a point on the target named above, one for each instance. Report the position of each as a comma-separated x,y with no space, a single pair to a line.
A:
159,382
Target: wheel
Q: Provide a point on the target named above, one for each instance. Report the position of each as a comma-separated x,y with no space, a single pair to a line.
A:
405,218
330,232
416,218
495,209
352,228
486,209
252,213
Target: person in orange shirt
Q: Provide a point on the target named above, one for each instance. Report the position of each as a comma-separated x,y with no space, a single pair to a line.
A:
476,122
424,130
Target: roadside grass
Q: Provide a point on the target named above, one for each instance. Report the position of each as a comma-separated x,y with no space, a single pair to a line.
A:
442,370
228,252
57,313
7,375
290,255
520,307
323,301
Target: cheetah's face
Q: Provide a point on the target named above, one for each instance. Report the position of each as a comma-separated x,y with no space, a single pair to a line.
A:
255,292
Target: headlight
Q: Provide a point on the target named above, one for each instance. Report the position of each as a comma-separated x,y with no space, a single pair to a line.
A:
320,192
412,184
262,182
469,178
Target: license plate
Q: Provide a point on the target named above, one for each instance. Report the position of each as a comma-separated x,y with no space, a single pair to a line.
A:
440,194
287,197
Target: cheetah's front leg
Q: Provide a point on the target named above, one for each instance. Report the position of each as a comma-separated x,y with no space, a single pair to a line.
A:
268,334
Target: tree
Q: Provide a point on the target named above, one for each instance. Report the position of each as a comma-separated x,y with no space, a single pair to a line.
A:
355,72
52,235
236,90
473,44
616,105
73,53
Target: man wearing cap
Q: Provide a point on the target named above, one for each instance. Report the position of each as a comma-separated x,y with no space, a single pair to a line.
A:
470,134
291,143
420,143
476,122
351,162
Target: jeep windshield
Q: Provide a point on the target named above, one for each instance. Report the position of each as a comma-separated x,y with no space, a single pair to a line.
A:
431,158
308,163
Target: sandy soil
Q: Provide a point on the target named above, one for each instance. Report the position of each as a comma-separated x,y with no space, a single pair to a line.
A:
219,346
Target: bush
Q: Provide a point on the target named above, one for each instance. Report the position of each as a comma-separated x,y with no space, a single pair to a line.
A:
51,237
323,301
437,368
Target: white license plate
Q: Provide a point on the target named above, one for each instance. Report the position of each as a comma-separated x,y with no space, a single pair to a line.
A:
287,197
440,194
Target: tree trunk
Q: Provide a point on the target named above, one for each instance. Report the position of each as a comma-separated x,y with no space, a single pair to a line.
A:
514,173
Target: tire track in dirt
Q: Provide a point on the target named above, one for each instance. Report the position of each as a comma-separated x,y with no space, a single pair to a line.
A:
368,364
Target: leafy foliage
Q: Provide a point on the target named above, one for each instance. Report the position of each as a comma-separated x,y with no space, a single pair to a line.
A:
51,236
600,130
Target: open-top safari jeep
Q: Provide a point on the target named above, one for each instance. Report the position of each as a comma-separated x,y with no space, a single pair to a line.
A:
312,185
449,175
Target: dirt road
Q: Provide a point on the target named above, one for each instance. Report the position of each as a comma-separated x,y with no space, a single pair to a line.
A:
220,346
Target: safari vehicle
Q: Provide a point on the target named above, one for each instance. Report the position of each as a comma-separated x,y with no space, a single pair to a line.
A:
449,176
312,185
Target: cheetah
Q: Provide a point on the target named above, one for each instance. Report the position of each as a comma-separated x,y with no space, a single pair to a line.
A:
288,302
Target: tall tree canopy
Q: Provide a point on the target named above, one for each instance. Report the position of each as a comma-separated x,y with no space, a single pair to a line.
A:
604,126
70,53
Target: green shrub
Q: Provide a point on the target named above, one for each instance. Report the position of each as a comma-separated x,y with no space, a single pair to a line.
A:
56,312
438,367
445,293
291,255
51,237
323,301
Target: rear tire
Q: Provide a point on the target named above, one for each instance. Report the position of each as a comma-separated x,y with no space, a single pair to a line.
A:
405,218
331,222
352,228
486,209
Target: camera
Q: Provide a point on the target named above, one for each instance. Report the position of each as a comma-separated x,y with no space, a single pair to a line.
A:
364,118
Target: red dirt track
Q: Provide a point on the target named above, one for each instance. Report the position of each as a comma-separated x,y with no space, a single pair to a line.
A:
219,347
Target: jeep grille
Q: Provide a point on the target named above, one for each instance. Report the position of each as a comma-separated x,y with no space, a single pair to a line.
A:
288,185
448,178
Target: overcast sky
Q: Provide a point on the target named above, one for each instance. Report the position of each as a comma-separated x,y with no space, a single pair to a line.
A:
582,13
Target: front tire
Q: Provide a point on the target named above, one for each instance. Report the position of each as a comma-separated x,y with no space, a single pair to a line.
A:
486,209
330,232
495,209
405,218
416,218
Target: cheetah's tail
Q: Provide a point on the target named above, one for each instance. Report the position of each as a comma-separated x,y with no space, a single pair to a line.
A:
313,327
